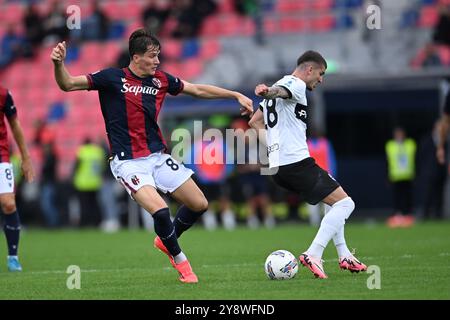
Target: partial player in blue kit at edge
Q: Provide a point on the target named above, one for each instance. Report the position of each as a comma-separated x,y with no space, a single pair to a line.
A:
11,225
283,114
131,99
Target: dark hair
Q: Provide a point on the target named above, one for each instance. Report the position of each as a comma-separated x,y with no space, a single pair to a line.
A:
140,40
312,56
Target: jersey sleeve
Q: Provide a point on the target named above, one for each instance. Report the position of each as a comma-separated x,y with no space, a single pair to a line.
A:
262,105
295,89
99,80
9,109
175,85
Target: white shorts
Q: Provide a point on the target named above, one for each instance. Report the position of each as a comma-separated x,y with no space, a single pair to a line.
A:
6,178
158,170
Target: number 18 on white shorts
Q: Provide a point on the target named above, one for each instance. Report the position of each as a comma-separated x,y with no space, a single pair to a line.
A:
6,178
158,170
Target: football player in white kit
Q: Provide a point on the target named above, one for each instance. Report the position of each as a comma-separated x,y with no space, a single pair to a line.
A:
283,114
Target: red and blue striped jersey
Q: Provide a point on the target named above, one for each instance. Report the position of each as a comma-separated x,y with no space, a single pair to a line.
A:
130,107
7,109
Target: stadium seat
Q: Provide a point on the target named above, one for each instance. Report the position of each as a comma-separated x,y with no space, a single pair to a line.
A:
91,50
116,30
172,68
323,23
225,6
428,17
192,68
172,49
114,10
322,5
344,21
13,13
292,24
110,51
190,48
271,25
231,24
211,26
291,6
248,27
209,49
134,11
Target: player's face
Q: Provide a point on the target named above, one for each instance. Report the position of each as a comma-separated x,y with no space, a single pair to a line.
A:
149,61
315,76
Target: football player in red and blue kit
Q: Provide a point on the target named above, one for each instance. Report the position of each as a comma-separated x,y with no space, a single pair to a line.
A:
131,99
11,225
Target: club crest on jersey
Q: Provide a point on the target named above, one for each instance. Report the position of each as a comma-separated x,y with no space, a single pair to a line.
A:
157,82
135,180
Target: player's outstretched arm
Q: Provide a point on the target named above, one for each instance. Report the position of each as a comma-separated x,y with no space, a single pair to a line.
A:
212,92
257,122
65,81
273,92
27,166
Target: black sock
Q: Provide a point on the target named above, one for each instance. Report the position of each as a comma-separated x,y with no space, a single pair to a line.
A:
12,232
166,231
185,218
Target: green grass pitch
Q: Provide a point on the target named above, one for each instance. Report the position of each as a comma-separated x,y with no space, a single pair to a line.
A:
414,264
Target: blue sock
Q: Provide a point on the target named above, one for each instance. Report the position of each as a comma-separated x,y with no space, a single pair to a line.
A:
166,231
12,232
184,219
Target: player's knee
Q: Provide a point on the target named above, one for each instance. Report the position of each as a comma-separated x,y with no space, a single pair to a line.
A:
8,206
348,204
201,205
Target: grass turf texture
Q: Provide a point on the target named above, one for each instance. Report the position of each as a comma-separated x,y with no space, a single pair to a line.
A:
414,264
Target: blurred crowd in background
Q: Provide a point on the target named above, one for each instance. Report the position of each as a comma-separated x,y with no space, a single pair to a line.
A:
225,42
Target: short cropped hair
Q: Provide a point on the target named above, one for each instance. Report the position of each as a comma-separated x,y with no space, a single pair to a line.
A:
312,56
140,40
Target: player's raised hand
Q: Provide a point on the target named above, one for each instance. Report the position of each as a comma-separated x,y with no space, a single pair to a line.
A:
59,52
27,169
261,90
246,105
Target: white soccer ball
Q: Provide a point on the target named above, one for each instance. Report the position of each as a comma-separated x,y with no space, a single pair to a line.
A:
280,265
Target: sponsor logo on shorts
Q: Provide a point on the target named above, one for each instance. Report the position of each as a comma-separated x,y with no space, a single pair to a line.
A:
135,180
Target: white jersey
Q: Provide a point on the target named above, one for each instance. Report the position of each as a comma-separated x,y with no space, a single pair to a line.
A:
285,121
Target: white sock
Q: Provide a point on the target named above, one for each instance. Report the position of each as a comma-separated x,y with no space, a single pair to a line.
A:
331,224
179,258
339,239
341,245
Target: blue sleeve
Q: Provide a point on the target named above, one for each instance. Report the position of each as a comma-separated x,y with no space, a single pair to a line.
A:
99,80
10,110
175,85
